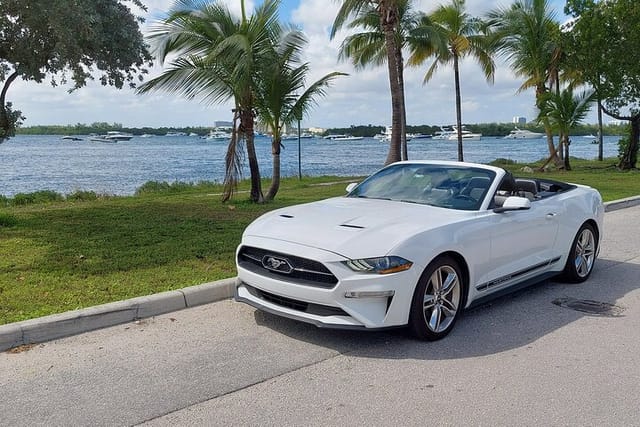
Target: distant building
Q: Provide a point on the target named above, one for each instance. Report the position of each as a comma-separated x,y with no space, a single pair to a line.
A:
317,131
223,124
519,120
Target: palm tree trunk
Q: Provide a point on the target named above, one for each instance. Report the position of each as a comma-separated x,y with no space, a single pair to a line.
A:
388,17
403,131
630,156
246,122
5,126
600,142
456,73
275,177
567,141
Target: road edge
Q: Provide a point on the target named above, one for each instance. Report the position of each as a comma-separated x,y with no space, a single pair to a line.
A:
75,322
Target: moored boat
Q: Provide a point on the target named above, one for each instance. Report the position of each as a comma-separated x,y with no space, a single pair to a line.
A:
219,134
443,133
523,134
111,136
347,138
467,135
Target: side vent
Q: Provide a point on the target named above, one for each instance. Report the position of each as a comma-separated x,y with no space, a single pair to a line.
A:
352,226
286,216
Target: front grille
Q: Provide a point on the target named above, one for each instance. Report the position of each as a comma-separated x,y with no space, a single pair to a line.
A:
303,271
306,307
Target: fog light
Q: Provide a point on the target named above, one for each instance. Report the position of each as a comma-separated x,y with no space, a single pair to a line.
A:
369,294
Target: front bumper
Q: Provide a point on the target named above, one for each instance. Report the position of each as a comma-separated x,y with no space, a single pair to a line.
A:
357,301
246,294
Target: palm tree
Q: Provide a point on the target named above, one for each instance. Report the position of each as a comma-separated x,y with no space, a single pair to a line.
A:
463,38
279,102
564,111
526,34
388,15
217,58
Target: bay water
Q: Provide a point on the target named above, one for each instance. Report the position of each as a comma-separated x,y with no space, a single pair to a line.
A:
31,163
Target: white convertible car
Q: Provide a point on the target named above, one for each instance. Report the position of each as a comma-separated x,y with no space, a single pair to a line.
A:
416,243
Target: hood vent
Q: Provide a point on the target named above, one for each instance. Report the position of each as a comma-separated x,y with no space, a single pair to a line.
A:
352,226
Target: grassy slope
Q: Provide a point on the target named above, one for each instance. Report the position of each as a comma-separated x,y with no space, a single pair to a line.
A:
66,255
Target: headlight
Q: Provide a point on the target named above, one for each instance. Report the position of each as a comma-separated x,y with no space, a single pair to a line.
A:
382,265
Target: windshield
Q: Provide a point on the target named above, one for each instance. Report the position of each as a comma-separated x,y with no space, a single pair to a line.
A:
453,187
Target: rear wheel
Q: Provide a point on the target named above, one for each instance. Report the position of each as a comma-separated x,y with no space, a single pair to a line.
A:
437,300
582,255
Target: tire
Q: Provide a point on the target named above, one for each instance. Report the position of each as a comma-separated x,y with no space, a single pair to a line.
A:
437,300
582,255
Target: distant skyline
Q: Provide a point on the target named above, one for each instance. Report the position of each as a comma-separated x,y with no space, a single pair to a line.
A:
359,99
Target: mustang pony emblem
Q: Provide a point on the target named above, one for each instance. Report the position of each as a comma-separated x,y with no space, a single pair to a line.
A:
273,263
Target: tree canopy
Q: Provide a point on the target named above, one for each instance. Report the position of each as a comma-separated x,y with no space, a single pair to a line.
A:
68,41
602,43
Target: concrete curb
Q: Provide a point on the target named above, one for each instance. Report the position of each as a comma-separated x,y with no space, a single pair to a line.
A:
622,203
87,319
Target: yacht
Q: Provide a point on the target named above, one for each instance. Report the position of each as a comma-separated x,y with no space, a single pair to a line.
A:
347,138
523,134
386,135
443,133
111,136
219,134
118,136
467,135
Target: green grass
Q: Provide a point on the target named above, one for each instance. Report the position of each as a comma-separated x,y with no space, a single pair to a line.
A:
88,249
60,256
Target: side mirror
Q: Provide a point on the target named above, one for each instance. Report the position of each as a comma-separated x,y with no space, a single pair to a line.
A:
351,186
514,203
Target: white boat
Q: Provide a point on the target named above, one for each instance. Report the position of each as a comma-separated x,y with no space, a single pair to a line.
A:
467,135
219,134
523,134
420,136
176,134
386,135
294,136
112,136
347,138
71,138
118,136
102,138
443,133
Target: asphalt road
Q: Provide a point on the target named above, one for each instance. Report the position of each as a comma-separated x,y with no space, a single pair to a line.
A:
520,360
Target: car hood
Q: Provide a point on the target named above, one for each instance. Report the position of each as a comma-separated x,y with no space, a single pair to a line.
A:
354,228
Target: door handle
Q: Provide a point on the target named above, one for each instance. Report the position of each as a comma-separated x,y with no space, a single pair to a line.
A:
551,215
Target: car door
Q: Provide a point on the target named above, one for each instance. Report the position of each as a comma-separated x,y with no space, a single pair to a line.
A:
522,243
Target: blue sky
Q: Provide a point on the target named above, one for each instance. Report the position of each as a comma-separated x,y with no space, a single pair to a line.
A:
360,98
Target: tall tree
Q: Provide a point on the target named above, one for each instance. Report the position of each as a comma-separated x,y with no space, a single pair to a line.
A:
388,14
463,36
527,34
218,58
612,68
67,40
564,111
281,97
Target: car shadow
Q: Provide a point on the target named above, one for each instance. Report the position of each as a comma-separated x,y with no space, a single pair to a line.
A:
509,322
